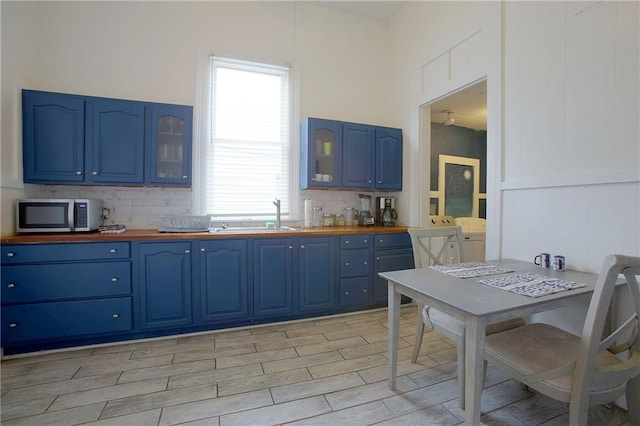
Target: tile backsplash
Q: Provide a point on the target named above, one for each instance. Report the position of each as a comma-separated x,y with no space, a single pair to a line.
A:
140,207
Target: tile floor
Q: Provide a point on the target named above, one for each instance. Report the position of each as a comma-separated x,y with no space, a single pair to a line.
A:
329,371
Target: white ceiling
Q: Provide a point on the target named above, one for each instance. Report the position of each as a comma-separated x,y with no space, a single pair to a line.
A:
378,10
469,106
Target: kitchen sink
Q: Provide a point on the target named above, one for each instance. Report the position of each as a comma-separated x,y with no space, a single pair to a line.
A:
251,229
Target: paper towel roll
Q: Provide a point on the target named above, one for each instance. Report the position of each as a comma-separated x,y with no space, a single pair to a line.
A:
308,213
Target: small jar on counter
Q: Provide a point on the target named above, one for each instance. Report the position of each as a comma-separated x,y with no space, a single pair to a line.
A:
340,220
328,219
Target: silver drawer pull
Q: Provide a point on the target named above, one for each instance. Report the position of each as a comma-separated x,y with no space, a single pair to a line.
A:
11,285
290,247
346,263
116,315
202,249
364,290
10,254
94,173
301,247
78,172
346,292
13,325
187,251
346,242
185,176
114,279
381,240
364,263
113,251
365,241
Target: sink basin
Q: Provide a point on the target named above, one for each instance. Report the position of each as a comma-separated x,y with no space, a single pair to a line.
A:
251,229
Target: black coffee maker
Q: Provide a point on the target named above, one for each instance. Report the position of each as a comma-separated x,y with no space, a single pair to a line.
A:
386,214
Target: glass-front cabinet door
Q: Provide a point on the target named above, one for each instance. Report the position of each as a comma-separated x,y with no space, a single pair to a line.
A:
171,140
321,152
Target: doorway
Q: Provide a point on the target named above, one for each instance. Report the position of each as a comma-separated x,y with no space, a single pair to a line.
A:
458,153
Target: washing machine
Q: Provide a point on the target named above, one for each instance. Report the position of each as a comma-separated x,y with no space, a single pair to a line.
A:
474,234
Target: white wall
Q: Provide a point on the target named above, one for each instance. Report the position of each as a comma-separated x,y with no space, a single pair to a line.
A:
567,179
151,51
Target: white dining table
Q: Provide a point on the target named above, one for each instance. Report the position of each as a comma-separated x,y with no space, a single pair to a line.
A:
477,305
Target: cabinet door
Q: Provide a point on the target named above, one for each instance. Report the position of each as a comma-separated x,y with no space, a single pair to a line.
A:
358,156
355,292
165,284
53,137
388,159
73,318
389,260
320,153
223,280
115,135
170,144
317,273
273,277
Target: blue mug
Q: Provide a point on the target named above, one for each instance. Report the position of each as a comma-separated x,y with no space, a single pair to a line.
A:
544,260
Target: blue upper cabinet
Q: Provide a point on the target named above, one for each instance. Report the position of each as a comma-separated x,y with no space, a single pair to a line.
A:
115,141
358,156
53,137
170,145
388,162
320,153
336,154
71,139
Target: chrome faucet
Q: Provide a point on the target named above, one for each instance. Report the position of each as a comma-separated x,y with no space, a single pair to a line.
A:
277,204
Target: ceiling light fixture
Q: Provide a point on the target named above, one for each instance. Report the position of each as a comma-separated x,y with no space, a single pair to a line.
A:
449,121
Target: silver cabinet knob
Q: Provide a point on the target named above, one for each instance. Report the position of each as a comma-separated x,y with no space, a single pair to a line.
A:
113,250
13,325
187,251
346,242
346,292
364,290
291,247
365,241
94,173
114,279
364,263
346,263
10,254
185,177
202,250
301,247
78,172
116,315
11,285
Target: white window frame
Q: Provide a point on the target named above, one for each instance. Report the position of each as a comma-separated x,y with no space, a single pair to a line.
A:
202,132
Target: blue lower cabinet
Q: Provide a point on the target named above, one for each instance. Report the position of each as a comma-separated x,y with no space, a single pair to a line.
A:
223,280
317,274
76,318
355,292
165,284
385,261
273,277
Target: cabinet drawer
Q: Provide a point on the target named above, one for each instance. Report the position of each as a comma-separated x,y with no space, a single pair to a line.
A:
355,241
43,321
354,263
35,283
355,292
25,253
392,240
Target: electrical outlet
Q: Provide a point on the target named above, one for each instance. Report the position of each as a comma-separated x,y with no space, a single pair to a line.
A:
105,213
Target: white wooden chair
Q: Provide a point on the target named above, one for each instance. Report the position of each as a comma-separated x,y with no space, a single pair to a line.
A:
582,371
430,247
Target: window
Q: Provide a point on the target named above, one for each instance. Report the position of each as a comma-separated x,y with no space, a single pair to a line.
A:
249,145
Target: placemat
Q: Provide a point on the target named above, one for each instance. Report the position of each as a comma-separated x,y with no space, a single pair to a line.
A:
532,285
470,269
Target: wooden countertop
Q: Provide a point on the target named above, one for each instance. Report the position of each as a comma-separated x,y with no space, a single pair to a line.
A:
153,234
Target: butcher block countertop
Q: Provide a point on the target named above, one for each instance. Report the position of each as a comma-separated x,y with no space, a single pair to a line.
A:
153,234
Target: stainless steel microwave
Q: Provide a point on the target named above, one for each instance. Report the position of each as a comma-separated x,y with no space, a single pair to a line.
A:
58,215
